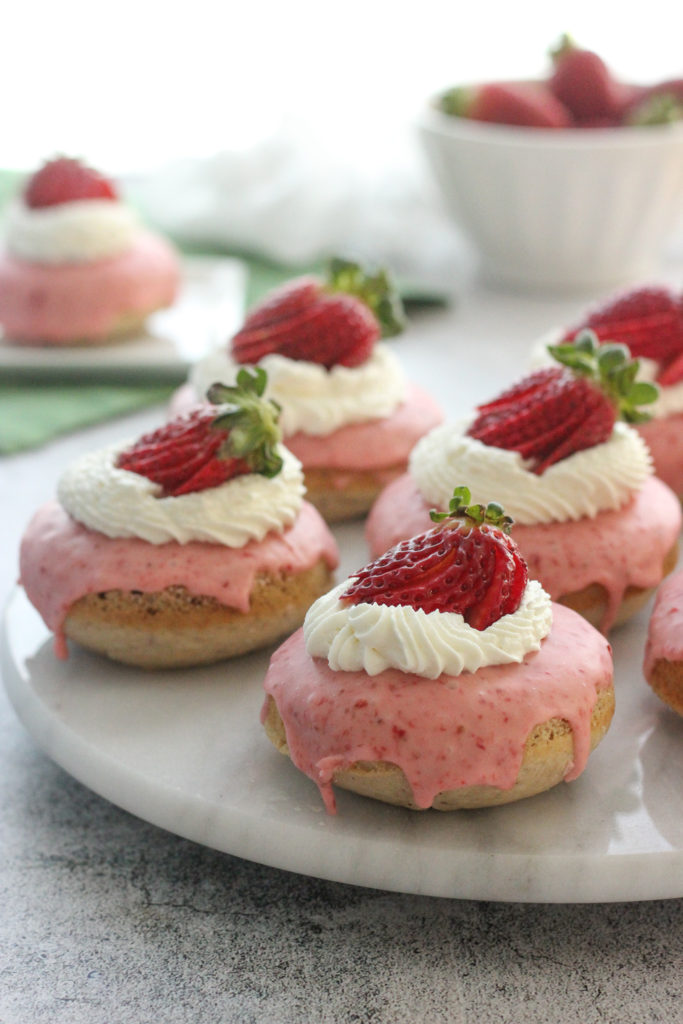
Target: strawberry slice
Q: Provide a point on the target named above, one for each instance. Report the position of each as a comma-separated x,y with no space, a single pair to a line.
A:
526,104
331,322
468,564
584,84
64,180
559,410
648,319
209,446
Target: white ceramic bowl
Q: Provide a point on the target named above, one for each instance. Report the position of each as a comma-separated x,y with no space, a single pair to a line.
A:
559,209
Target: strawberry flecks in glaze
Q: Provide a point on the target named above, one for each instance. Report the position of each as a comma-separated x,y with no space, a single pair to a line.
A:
62,561
56,304
664,438
616,549
665,631
333,719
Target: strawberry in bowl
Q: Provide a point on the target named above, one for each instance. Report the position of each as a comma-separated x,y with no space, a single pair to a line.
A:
188,545
595,526
440,675
77,267
348,412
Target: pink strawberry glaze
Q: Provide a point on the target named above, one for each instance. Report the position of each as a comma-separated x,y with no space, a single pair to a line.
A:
372,445
444,733
61,560
616,549
665,631
664,438
50,304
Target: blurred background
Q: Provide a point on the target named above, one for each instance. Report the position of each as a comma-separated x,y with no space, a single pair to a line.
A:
285,129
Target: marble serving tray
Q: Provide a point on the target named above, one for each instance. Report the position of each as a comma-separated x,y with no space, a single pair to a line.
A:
185,751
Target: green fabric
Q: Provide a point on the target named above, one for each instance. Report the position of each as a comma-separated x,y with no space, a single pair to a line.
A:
32,414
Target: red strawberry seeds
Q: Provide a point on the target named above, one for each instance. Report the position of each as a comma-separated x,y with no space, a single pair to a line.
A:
466,565
206,447
559,410
333,323
65,180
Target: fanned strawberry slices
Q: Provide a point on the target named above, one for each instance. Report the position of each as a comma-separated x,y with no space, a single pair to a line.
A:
467,564
563,409
331,322
209,446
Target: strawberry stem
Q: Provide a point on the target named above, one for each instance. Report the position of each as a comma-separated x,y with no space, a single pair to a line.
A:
459,508
251,421
611,367
377,291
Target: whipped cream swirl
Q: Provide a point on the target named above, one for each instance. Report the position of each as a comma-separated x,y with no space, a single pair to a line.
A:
372,637
119,503
597,479
315,400
75,232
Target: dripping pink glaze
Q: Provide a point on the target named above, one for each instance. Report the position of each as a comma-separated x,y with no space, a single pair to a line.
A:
616,549
373,445
665,632
60,561
43,303
664,438
444,733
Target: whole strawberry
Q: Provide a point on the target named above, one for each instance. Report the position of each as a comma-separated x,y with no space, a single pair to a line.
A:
563,409
648,319
64,180
467,564
209,446
525,104
332,322
584,84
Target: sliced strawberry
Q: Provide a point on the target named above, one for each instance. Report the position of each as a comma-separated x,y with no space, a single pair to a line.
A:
331,322
65,180
648,319
207,447
584,84
655,104
468,564
559,410
526,104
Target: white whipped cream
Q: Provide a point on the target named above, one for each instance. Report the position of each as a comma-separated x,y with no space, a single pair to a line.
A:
669,402
315,400
119,503
373,637
75,232
594,480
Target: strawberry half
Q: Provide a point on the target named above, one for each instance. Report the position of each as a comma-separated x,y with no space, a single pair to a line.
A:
207,446
648,319
584,84
525,104
468,564
332,322
64,180
559,410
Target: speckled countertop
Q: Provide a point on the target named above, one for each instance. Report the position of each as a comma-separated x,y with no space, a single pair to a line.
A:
109,920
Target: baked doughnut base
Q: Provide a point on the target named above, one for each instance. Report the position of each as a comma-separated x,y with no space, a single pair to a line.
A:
548,753
355,499
591,602
174,628
666,680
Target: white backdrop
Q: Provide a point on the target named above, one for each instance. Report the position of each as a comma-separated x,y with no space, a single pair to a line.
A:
133,83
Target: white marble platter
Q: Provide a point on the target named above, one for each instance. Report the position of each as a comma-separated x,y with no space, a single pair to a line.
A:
185,751
209,308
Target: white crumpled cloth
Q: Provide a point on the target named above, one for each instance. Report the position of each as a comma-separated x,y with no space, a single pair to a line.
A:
291,197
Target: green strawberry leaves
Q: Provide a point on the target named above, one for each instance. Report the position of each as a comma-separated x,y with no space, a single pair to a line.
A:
611,367
377,291
251,421
459,507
